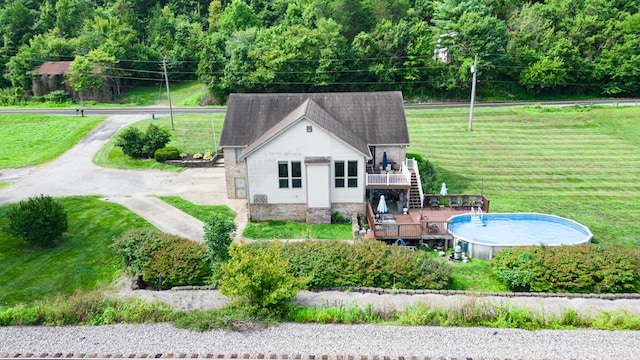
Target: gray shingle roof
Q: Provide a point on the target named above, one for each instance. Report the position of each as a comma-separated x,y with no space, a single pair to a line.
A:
311,111
373,118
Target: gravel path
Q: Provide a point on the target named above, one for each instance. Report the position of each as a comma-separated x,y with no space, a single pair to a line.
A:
331,340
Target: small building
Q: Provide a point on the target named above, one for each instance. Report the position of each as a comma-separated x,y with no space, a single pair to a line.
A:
306,156
50,76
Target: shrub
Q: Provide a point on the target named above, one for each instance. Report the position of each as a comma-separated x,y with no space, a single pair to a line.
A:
207,155
137,144
258,279
12,96
370,263
581,269
57,97
217,237
321,261
136,246
148,252
180,262
154,138
131,140
166,153
39,221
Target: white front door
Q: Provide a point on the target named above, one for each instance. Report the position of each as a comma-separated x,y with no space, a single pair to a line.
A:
318,185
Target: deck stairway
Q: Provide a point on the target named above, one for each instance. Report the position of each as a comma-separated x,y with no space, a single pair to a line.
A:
414,192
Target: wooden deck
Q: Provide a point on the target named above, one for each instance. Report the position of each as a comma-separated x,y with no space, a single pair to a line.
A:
427,225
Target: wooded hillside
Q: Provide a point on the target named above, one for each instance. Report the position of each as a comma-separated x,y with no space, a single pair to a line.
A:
525,49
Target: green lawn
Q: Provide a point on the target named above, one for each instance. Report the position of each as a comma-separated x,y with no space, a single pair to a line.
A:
581,163
36,139
284,230
84,260
201,212
193,133
183,94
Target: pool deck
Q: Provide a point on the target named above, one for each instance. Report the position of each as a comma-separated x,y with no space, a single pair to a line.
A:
418,226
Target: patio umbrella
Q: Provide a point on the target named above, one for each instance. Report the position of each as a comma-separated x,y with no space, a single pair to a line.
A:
443,189
382,205
384,160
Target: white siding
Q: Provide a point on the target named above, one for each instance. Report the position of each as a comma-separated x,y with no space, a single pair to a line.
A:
294,145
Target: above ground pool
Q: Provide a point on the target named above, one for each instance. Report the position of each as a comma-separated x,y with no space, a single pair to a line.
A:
482,235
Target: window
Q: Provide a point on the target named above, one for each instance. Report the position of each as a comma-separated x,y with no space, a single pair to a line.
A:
339,174
350,177
352,173
238,153
289,174
283,174
296,174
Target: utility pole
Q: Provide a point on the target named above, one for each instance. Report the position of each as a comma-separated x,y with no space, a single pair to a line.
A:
166,77
473,91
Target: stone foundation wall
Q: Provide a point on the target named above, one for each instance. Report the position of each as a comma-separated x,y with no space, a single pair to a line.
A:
318,216
348,209
263,212
300,212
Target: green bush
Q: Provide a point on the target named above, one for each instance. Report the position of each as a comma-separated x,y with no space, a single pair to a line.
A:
136,246
180,262
322,261
137,144
578,269
155,138
370,263
131,140
39,221
57,97
258,279
167,153
218,231
12,96
149,252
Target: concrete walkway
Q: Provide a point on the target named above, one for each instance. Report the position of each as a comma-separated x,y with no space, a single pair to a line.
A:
158,213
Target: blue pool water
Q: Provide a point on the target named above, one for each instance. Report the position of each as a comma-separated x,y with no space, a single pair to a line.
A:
515,229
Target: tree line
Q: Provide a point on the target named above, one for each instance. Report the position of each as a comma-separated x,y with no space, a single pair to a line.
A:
425,48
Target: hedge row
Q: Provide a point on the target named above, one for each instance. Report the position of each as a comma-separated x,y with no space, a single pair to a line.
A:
149,252
577,269
370,263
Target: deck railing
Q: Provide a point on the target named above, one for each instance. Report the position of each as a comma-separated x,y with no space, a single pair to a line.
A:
389,179
413,164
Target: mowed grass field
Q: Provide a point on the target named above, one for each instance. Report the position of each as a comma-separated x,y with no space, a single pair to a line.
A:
579,162
35,139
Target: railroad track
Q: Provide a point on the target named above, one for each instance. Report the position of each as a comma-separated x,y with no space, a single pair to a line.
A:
47,356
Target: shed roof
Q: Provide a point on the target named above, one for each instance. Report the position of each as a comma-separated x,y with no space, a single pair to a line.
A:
376,118
54,68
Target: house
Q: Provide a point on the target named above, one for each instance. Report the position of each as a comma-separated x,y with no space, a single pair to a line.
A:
50,76
306,156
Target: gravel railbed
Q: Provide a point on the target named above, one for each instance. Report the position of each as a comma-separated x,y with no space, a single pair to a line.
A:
318,340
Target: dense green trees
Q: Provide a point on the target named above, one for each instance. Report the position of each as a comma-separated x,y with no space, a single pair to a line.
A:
422,47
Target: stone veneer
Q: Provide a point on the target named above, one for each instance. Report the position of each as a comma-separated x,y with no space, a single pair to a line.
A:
263,212
232,170
300,212
318,216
